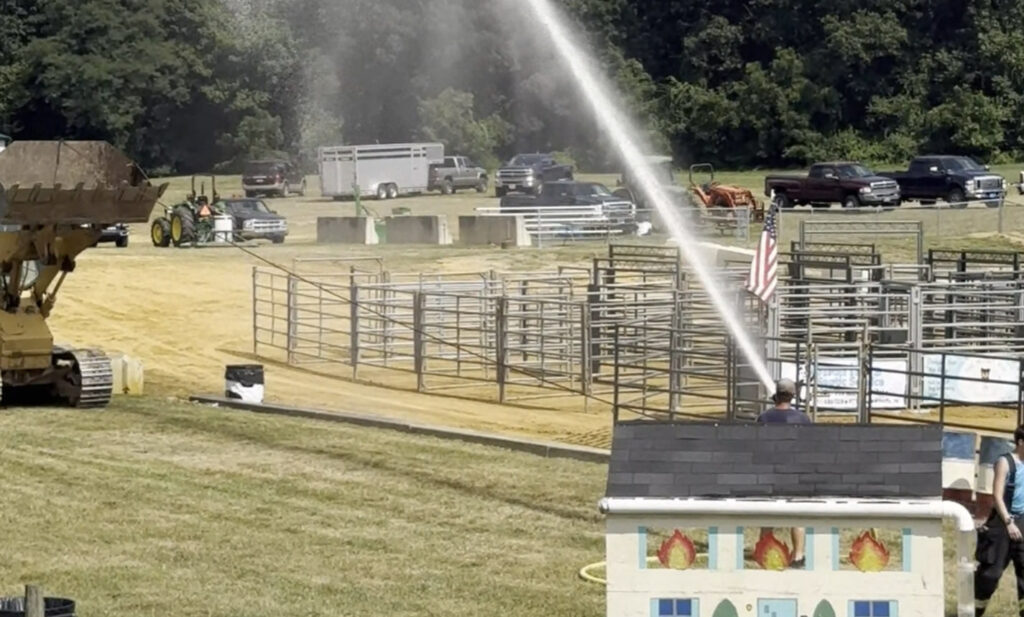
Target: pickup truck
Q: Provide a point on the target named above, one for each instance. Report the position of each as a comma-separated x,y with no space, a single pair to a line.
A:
527,173
955,179
566,193
457,172
848,183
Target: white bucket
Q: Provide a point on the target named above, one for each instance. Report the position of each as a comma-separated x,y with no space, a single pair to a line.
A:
223,228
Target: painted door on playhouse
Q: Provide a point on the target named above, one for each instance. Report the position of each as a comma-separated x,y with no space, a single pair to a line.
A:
776,608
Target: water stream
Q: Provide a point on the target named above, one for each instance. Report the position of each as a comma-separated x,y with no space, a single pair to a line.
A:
620,132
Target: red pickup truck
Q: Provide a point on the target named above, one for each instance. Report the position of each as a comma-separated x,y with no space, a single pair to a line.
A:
848,183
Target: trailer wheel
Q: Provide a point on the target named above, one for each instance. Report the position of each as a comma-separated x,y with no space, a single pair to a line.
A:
392,191
382,192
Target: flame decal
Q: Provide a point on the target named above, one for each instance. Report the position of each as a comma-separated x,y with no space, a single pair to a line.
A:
771,554
677,552
867,554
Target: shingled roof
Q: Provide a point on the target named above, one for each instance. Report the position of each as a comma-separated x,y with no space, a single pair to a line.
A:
652,459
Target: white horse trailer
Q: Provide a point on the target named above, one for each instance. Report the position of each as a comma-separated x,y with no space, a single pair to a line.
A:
383,170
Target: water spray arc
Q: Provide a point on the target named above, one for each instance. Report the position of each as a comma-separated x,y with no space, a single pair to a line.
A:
619,130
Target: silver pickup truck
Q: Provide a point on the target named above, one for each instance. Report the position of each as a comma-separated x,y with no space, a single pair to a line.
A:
457,172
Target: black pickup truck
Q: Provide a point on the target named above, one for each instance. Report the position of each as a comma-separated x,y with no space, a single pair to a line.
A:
850,184
955,179
569,194
526,173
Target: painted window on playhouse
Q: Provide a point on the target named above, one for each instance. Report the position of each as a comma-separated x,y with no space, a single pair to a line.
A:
675,607
871,550
873,608
771,549
678,548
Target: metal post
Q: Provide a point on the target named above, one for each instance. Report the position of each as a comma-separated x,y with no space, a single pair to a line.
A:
255,314
586,377
864,364
353,325
417,339
501,340
915,362
616,377
942,392
1002,202
293,317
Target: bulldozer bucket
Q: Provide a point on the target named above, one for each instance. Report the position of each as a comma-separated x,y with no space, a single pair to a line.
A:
72,182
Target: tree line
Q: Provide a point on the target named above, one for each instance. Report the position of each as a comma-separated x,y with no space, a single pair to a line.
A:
199,85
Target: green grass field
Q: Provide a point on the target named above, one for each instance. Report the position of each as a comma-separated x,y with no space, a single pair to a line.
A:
159,508
156,508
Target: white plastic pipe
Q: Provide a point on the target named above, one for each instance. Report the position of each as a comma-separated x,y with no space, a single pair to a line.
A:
824,508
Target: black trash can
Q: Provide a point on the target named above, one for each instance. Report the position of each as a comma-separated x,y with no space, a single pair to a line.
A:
52,607
244,382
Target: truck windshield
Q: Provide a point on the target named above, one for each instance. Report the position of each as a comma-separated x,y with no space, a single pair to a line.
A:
592,189
854,171
525,160
962,163
243,206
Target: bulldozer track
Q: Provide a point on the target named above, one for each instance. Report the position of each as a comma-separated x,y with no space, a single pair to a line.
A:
97,377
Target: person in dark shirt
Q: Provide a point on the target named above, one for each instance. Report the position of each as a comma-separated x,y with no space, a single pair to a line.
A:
785,413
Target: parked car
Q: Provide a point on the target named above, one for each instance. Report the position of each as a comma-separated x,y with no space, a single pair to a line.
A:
254,220
457,172
272,177
527,173
955,179
567,193
848,183
118,234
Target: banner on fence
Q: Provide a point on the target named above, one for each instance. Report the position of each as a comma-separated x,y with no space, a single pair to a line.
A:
837,383
972,379
968,379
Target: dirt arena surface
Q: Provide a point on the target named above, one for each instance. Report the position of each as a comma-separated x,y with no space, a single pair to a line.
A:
186,313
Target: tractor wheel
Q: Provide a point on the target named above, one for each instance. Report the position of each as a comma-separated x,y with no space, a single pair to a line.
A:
481,185
183,227
392,191
160,233
382,192
446,187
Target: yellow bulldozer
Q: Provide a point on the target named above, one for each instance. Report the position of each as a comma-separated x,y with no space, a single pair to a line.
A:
56,198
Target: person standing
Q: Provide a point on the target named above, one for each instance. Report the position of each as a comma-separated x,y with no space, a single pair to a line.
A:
1000,540
785,413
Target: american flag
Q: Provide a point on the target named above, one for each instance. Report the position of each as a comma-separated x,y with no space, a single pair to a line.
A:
763,270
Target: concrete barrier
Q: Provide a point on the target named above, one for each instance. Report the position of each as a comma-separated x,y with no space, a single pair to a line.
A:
493,230
346,230
418,230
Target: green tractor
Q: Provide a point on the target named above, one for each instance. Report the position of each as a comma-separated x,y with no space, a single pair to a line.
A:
189,222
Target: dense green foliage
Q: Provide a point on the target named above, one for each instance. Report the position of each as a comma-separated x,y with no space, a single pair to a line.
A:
195,84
